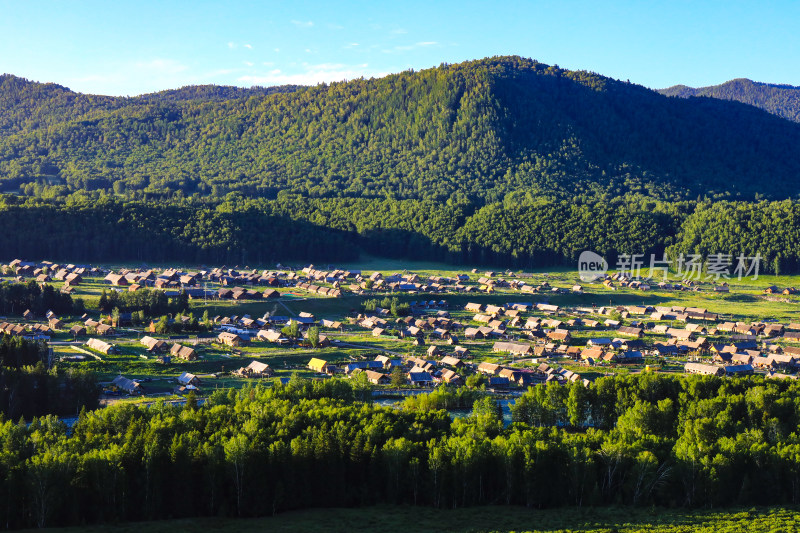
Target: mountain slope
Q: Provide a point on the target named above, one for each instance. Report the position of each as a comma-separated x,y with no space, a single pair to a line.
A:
780,100
26,105
479,131
213,93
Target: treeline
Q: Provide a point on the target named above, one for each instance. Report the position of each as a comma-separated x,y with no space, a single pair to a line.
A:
16,298
771,229
102,228
478,130
30,387
636,440
521,232
152,302
443,398
395,307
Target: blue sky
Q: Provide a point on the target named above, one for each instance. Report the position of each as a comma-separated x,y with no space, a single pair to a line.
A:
129,48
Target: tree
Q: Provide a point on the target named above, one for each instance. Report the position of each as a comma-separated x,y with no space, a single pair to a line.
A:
398,377
292,330
475,381
47,474
313,336
488,415
362,388
162,326
237,449
102,304
182,304
578,404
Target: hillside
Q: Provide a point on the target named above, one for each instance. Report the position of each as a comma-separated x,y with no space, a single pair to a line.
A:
212,93
780,100
476,132
27,106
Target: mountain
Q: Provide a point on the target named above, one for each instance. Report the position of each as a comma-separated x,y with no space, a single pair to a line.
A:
480,132
27,106
780,100
213,93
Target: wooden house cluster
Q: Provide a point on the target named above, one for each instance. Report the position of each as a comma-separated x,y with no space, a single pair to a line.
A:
335,276
321,290
240,293
33,331
268,278
47,269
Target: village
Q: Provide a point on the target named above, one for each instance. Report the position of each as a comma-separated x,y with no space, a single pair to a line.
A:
398,331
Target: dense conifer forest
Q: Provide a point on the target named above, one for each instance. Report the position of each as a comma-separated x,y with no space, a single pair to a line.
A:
477,130
780,100
525,234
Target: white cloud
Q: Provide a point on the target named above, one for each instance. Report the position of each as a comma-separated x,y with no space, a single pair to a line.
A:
407,47
350,45
277,49
249,63
231,45
248,46
310,74
303,23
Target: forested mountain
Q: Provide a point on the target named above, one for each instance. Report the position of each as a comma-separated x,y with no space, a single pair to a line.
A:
780,100
216,93
27,106
502,161
479,130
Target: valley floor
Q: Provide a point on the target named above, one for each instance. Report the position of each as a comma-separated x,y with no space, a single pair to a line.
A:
402,519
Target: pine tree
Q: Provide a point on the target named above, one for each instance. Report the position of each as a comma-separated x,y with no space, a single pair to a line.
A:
103,303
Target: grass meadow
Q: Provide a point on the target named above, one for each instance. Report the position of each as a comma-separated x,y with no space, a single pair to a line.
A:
400,519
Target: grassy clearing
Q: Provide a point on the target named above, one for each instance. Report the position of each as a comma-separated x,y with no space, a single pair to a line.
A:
389,519
746,300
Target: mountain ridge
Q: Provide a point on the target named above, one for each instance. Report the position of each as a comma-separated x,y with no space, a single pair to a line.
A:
481,131
782,100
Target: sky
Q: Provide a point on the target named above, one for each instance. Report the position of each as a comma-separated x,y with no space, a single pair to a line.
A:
130,48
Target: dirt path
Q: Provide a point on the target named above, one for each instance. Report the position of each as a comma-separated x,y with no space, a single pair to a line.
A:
287,308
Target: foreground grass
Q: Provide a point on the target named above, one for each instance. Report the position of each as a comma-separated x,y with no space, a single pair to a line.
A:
390,519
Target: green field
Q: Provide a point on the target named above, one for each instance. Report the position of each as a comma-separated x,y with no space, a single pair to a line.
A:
745,301
388,519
